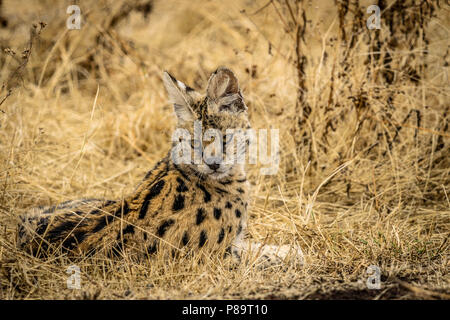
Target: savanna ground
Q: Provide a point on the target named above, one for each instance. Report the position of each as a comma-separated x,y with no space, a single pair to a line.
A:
363,116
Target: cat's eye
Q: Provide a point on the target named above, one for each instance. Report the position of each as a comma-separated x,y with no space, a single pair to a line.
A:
226,107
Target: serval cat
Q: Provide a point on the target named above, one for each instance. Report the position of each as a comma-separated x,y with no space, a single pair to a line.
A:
184,207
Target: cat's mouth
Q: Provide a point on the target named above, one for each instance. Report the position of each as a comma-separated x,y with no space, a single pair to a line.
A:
218,174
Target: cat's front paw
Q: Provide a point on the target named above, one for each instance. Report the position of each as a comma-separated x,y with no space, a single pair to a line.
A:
286,255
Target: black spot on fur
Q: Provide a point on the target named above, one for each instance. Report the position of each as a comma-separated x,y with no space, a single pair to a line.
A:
161,174
127,229
230,228
164,226
60,231
221,191
178,204
201,215
71,204
206,194
108,218
42,226
108,203
103,222
151,249
185,238
50,210
123,210
183,174
221,235
236,254
202,239
239,229
181,185
228,205
238,213
95,212
217,213
148,174
155,168
154,191
240,190
73,240
163,201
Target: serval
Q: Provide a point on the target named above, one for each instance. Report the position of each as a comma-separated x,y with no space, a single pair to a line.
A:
178,207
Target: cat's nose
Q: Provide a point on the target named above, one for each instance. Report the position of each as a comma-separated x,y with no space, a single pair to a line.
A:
214,166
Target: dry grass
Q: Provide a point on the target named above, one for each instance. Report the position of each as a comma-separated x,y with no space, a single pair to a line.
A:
377,106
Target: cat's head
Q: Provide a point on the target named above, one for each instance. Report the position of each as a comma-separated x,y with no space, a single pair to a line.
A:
209,122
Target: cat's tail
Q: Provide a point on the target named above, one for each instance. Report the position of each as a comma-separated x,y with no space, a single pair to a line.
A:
61,226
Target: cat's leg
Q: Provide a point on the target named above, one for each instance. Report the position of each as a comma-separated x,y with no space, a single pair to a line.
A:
266,255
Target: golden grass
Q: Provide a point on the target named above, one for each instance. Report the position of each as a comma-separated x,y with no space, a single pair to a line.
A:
363,180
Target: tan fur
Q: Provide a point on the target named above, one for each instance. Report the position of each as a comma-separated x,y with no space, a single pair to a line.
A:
175,209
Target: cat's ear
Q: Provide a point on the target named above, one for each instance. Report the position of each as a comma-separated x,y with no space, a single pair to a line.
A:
180,95
222,82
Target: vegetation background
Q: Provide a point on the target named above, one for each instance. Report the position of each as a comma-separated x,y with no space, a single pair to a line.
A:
364,132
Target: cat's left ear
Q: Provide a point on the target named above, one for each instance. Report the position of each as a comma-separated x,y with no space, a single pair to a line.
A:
222,82
223,90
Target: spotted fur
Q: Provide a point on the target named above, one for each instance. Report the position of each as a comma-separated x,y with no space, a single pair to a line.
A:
176,208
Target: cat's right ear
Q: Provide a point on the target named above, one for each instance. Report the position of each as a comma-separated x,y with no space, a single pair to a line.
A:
178,95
